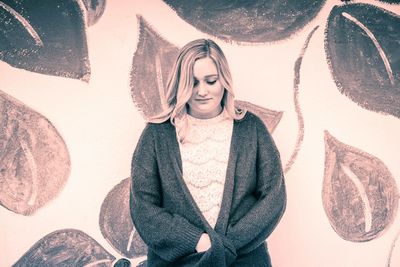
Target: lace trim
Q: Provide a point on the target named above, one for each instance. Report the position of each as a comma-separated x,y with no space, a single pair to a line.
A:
205,155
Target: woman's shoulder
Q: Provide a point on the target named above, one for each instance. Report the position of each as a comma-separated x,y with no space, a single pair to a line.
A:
157,128
252,122
250,117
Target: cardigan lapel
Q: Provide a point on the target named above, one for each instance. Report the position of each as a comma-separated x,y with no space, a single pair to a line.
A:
223,216
176,159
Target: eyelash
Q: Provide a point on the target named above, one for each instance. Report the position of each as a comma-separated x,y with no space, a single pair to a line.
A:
195,83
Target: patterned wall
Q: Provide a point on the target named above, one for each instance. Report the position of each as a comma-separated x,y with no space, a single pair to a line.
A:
78,78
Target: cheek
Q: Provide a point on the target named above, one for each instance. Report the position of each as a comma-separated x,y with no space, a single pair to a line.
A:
192,99
219,91
193,95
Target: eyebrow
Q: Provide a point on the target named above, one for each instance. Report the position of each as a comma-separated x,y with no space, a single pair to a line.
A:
208,76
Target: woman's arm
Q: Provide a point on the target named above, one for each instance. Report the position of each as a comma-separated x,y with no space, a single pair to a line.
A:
169,235
258,223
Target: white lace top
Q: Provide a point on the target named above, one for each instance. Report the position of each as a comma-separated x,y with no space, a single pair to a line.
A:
205,154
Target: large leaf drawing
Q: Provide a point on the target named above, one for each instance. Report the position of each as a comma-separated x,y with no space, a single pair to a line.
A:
116,224
248,21
270,117
360,195
34,161
94,9
47,36
363,50
152,62
67,247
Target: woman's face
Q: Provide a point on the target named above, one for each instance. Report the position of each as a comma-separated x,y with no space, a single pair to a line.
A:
205,102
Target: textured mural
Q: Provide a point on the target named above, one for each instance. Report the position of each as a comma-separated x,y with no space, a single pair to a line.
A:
300,120
394,255
67,247
94,10
148,80
48,36
362,47
348,191
116,224
72,247
248,21
359,193
34,160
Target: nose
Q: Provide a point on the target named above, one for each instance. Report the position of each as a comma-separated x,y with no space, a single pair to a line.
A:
202,90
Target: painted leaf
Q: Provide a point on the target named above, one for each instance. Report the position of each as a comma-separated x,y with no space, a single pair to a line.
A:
47,36
391,1
248,21
18,34
116,224
270,117
152,62
67,247
394,256
360,195
34,161
94,9
362,46
122,263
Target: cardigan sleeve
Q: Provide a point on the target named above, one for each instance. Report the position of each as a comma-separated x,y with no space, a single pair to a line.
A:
261,219
169,235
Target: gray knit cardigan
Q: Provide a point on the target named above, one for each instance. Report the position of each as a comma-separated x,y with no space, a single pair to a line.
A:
170,222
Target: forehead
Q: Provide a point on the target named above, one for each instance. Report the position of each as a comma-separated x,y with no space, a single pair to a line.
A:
204,67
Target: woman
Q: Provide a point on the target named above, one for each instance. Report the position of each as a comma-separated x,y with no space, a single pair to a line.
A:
207,184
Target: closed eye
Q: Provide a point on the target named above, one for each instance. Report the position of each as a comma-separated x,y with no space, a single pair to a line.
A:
212,82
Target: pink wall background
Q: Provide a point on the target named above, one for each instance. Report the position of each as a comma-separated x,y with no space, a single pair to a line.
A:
101,125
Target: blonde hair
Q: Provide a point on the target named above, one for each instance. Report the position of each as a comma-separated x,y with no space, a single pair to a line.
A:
181,82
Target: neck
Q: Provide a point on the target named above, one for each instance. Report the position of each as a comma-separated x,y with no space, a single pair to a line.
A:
204,116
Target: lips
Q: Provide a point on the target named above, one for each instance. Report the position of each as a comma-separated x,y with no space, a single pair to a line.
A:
202,100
